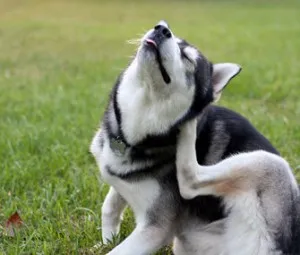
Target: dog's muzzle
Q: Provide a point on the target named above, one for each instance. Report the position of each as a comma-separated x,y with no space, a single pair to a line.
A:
160,34
156,38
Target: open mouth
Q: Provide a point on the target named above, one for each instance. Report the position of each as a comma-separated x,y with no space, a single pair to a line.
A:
161,67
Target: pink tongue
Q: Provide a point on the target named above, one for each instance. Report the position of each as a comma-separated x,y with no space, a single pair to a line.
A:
149,41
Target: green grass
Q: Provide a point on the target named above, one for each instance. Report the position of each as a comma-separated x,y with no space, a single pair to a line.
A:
58,62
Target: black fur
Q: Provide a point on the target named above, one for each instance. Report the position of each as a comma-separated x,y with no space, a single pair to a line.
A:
243,136
289,243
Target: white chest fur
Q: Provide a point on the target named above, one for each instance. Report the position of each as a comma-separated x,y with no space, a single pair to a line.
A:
247,232
139,195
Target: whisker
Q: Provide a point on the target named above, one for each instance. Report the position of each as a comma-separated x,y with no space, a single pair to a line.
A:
134,41
131,57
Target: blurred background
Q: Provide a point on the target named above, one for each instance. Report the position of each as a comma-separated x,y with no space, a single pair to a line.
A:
58,63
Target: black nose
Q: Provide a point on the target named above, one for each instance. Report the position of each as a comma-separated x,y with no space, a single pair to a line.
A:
160,29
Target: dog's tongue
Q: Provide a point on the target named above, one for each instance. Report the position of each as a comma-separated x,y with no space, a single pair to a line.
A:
150,41
162,69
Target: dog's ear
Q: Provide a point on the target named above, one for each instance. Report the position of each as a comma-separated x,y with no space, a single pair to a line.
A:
222,74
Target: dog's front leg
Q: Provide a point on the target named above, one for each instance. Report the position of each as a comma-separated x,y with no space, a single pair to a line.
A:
112,209
144,240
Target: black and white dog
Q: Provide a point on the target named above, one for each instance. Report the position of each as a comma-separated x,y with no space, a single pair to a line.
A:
258,190
168,83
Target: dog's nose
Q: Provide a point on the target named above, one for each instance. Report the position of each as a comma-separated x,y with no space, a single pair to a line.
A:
160,33
160,28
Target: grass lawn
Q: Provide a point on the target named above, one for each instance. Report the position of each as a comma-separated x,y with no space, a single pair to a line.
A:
58,62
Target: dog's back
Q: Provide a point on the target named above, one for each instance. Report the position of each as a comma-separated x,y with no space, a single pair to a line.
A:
222,132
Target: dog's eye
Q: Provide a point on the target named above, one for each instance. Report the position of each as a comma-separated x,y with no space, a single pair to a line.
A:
191,54
186,57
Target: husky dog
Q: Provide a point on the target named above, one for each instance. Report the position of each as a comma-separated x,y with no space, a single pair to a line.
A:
259,192
168,83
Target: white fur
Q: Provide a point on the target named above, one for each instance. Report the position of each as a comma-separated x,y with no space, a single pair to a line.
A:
154,111
178,40
191,53
222,74
144,240
111,214
163,23
201,239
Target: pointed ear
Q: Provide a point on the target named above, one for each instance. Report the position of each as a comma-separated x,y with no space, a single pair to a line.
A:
222,74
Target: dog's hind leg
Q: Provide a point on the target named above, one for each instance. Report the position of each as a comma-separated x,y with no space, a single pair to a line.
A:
238,173
193,179
112,209
199,238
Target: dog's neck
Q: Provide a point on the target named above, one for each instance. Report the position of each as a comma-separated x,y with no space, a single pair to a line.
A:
144,112
119,140
148,78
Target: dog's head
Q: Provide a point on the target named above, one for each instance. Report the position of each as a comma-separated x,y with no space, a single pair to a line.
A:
168,64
